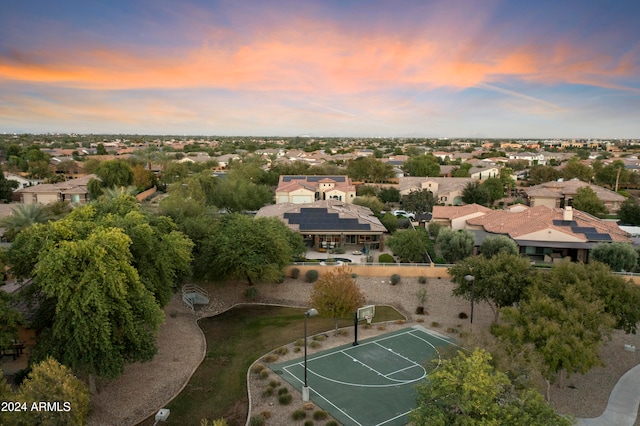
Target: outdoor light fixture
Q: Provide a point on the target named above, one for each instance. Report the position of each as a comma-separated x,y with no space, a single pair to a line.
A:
305,389
471,279
162,415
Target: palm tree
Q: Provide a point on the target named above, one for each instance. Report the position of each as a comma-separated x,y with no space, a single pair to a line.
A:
116,192
23,216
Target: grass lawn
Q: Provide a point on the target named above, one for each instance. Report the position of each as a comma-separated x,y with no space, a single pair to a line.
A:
235,339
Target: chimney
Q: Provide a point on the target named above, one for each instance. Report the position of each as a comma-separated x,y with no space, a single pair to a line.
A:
567,213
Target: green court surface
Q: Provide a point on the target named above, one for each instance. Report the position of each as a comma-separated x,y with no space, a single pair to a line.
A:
371,383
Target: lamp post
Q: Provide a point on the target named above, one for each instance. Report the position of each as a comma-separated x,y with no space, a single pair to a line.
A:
305,389
471,279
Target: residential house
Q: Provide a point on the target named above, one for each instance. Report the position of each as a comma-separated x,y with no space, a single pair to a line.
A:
533,158
484,173
445,190
547,234
560,193
22,181
73,190
307,189
329,224
455,217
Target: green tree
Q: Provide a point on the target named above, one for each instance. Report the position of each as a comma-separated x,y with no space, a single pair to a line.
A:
500,243
566,325
587,201
369,169
454,245
574,169
467,390
617,255
390,222
103,315
422,165
629,212
542,174
101,150
10,319
115,173
475,193
336,295
237,194
6,187
499,280
409,245
462,171
389,195
372,203
254,249
53,382
494,188
611,175
23,216
420,201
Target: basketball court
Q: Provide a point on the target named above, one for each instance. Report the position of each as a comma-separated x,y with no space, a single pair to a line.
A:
371,383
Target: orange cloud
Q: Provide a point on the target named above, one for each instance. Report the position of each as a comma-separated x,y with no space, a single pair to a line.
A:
310,56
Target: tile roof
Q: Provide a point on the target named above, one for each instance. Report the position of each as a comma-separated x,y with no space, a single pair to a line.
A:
327,215
539,218
454,212
66,186
570,187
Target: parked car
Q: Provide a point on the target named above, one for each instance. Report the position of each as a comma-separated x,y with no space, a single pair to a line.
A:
403,213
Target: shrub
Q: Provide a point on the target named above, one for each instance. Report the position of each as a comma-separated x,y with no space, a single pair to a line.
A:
251,293
452,330
274,383
282,391
308,406
285,399
256,421
299,415
266,414
381,328
440,260
311,276
342,332
395,279
422,280
320,415
386,258
314,344
435,324
462,315
264,374
283,350
268,392
319,337
295,273
299,342
354,275
308,423
420,320
258,368
270,358
332,423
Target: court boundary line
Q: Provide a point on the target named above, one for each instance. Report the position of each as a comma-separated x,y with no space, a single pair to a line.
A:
410,331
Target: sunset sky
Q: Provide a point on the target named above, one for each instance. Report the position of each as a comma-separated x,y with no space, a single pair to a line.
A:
480,68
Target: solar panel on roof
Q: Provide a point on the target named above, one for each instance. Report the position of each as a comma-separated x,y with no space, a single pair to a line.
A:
320,219
559,222
597,237
584,229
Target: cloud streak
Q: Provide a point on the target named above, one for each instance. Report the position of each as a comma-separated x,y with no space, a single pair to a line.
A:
319,51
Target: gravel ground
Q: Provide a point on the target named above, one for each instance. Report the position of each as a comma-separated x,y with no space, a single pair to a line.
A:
146,387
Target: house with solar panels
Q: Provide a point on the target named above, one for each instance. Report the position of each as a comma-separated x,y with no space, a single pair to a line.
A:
329,224
544,234
307,189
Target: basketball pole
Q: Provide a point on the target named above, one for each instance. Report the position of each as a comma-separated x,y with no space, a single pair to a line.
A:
355,328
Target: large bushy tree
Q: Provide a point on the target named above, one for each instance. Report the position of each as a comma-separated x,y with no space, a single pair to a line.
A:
499,280
410,245
421,201
475,193
467,390
629,212
369,169
587,201
498,244
242,247
423,165
618,256
454,245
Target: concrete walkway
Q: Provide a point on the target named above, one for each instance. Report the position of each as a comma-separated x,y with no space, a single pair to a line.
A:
622,408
